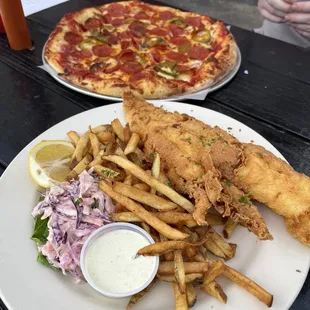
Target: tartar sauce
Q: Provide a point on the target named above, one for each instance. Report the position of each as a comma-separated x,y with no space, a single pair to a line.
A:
112,264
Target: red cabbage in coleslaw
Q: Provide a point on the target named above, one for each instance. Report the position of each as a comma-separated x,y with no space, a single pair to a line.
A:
75,209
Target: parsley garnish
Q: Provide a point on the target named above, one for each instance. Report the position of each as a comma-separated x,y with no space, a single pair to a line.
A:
108,173
161,106
260,154
202,139
197,164
95,204
212,141
245,199
41,198
152,155
219,137
228,183
229,128
169,183
78,201
188,139
297,270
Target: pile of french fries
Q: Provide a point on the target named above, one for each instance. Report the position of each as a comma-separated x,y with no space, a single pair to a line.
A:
144,195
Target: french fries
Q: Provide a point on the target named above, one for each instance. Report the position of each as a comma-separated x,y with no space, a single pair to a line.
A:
144,197
215,271
118,129
94,142
169,217
137,297
180,299
105,137
82,165
97,160
74,137
146,178
142,186
169,256
127,133
191,295
155,170
166,268
179,271
163,247
215,290
188,277
229,228
244,282
146,216
79,149
132,144
146,227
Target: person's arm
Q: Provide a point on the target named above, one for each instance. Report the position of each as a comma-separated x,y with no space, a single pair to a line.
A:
299,18
274,10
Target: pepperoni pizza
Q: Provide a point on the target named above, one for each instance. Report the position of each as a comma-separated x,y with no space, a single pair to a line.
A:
157,51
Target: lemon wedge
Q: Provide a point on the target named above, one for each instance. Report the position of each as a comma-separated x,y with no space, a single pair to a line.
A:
50,160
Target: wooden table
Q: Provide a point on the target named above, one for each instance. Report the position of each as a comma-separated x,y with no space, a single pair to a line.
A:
273,98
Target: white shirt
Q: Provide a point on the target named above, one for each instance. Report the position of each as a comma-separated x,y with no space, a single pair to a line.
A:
283,32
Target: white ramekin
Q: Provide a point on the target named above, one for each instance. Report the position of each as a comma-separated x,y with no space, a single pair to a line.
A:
103,230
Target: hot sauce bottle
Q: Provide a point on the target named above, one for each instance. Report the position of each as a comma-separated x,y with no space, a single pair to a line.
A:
15,24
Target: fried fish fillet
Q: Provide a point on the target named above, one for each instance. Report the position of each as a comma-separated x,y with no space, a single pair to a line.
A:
202,157
197,155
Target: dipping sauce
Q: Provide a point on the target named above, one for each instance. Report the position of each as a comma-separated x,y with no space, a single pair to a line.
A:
112,264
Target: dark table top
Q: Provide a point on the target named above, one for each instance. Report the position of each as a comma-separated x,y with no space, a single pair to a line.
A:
273,98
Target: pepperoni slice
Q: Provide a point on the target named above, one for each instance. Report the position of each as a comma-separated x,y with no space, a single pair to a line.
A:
124,35
106,19
198,52
137,29
113,38
138,76
117,22
155,55
102,50
182,68
127,56
81,54
92,23
116,10
131,67
125,44
165,15
142,15
193,21
74,26
176,31
176,57
179,40
158,32
67,49
73,38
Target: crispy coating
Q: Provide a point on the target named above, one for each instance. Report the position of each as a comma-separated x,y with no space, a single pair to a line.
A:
197,155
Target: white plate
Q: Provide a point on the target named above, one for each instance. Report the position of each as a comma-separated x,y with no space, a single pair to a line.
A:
27,285
199,95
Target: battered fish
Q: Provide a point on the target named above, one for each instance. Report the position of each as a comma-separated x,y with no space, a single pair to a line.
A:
205,159
194,156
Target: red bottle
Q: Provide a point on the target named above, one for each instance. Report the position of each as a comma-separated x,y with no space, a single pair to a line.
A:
15,24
